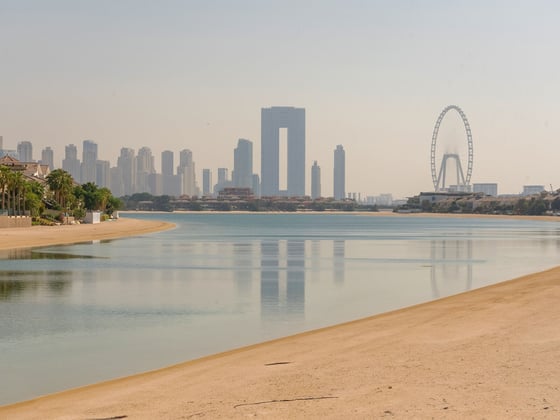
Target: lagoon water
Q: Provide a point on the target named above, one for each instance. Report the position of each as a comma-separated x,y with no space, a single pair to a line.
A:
74,315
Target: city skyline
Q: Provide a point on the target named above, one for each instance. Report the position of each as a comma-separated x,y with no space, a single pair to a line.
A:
371,75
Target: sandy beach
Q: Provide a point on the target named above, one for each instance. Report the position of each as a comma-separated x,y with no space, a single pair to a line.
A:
36,236
489,353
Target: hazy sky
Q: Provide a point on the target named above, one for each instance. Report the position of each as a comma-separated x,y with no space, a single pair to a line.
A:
372,75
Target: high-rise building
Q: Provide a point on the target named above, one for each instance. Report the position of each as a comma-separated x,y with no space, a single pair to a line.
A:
223,181
315,181
116,181
47,157
71,163
171,184
243,164
25,151
167,163
89,162
206,182
103,174
339,178
187,173
272,120
222,175
144,167
155,184
88,169
256,185
127,169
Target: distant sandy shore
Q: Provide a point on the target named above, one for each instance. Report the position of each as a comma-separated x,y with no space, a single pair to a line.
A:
36,236
490,353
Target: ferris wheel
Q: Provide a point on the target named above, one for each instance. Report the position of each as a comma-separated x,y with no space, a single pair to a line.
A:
439,176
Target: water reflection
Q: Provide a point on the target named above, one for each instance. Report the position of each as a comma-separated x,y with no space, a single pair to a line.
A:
339,261
15,284
243,263
282,278
452,264
30,254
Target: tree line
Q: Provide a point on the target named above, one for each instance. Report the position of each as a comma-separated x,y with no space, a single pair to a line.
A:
58,197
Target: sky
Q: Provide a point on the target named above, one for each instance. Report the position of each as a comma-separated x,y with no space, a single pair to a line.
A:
372,76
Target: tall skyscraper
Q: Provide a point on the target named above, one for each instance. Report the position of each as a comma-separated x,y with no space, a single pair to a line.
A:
144,168
222,175
127,170
272,120
187,173
315,181
256,185
223,181
47,157
167,163
206,182
25,151
171,184
89,162
71,163
243,164
339,175
103,174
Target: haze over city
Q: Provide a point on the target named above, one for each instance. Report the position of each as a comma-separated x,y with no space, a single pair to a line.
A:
372,76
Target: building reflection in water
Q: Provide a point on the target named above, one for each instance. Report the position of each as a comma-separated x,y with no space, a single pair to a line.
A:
243,267
451,266
282,278
339,263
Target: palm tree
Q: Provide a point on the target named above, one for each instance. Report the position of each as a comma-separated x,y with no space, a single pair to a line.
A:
18,190
60,183
4,176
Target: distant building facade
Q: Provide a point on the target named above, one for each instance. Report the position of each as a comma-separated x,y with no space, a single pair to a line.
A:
532,189
187,173
89,162
223,181
126,164
167,163
171,184
272,120
47,157
144,169
71,163
243,164
315,181
25,151
206,182
339,173
103,174
486,188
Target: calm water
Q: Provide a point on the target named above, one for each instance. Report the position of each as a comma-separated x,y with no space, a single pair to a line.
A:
73,315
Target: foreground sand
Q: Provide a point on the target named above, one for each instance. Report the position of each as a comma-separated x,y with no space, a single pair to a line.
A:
35,236
490,353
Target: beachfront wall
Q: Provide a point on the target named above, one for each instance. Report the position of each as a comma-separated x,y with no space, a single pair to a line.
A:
14,221
92,217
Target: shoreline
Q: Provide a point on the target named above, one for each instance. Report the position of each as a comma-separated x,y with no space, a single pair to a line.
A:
39,236
490,352
546,218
